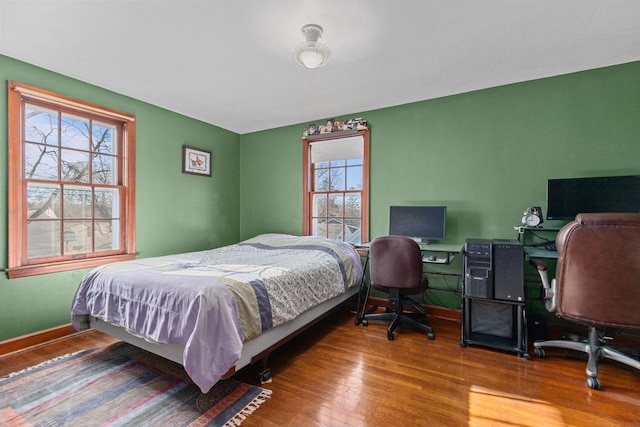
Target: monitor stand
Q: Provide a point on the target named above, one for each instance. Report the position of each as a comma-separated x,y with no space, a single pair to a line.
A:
420,241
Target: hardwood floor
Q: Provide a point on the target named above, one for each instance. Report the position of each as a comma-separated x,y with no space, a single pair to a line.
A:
339,374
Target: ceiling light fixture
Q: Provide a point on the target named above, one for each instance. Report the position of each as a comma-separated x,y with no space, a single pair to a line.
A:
311,54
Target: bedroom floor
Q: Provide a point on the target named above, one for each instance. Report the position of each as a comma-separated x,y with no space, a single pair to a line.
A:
339,374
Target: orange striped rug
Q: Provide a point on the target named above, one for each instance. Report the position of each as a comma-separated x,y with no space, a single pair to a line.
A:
120,385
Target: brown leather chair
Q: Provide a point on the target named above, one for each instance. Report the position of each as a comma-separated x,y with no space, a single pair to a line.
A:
395,268
597,284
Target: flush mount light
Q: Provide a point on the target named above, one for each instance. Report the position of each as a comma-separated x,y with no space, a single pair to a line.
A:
311,54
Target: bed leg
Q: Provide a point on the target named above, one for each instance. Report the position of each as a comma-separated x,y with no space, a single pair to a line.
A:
265,374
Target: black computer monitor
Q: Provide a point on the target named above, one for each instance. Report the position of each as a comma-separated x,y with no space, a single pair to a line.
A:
567,197
424,224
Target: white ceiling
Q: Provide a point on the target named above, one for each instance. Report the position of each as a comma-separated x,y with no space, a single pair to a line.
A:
229,62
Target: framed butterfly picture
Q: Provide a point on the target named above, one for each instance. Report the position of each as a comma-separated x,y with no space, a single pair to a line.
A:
196,161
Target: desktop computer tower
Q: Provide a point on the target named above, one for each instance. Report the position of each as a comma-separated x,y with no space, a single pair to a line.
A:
493,312
508,270
478,277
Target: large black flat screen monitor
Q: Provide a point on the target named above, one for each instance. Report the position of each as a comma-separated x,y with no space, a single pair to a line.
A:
421,223
567,197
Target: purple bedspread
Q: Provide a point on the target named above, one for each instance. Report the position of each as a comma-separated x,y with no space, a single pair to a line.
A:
212,301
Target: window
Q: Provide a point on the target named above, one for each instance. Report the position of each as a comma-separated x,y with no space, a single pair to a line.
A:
336,187
71,183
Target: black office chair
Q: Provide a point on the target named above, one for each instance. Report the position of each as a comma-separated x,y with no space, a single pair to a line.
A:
597,284
395,268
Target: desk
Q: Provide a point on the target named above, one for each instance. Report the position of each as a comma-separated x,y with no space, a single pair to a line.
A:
444,274
450,250
363,251
535,252
537,241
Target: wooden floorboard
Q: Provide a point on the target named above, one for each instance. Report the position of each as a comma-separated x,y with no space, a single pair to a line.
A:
340,374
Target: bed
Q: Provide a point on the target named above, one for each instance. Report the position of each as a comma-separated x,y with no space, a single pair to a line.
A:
218,310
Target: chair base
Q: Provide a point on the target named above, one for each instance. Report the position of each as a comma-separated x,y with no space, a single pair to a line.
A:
595,347
398,317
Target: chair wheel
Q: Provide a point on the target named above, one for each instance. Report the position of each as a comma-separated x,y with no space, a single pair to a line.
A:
365,322
539,352
573,337
390,336
430,335
594,383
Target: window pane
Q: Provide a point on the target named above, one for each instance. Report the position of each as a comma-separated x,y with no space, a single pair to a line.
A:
337,163
319,207
43,201
104,138
321,165
354,162
319,227
43,238
75,166
354,178
334,228
336,205
77,237
75,132
337,179
352,231
352,205
321,180
77,202
40,162
104,169
107,203
107,235
41,125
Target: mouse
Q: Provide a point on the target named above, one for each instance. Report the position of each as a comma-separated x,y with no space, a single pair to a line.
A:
431,258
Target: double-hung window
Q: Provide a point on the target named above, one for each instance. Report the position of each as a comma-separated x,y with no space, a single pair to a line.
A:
336,187
71,183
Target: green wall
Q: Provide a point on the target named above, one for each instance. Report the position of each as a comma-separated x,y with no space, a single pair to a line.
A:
175,212
487,154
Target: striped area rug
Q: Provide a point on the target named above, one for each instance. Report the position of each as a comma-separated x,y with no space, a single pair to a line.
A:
120,385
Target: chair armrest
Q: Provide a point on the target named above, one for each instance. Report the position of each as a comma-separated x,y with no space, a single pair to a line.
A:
541,267
549,288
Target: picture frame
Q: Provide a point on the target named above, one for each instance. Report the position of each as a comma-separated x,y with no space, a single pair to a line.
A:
196,161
